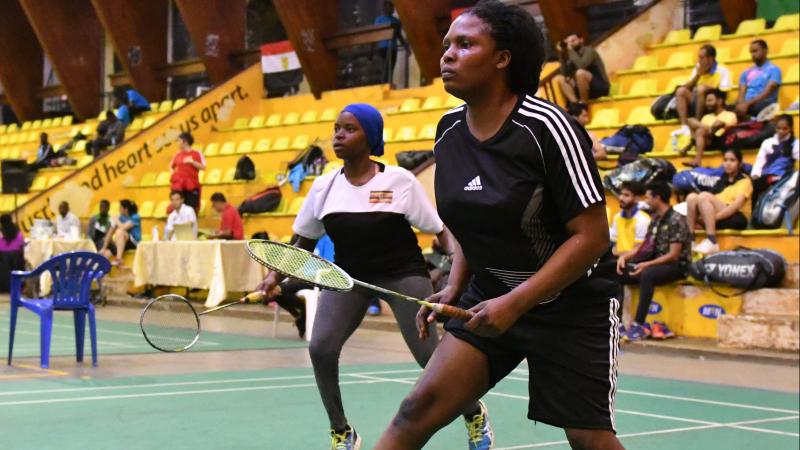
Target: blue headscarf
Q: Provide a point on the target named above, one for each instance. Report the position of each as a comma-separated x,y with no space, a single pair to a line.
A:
372,123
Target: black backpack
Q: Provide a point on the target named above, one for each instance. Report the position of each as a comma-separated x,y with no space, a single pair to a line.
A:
742,268
629,142
643,170
665,107
265,201
307,156
413,159
245,169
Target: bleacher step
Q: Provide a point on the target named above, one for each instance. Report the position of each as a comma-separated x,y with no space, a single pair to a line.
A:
772,302
792,278
760,331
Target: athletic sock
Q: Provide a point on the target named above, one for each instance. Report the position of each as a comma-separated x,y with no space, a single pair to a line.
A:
712,238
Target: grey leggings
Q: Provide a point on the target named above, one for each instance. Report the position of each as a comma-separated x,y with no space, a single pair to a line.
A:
337,317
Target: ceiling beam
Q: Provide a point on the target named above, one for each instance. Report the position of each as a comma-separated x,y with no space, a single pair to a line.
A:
425,24
21,61
563,17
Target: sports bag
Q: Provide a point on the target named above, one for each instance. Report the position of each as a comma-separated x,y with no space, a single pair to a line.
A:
245,169
629,142
411,160
700,179
265,201
741,268
665,107
773,206
748,134
643,170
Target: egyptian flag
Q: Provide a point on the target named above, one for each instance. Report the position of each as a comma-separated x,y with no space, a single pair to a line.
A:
282,72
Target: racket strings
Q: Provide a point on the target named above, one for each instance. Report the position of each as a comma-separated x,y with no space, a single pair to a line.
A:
170,323
300,264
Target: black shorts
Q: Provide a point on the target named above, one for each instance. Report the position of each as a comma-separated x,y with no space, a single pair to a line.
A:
598,87
192,199
130,244
737,221
716,143
571,346
756,107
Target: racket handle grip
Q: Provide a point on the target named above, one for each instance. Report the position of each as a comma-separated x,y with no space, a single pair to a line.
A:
258,296
451,311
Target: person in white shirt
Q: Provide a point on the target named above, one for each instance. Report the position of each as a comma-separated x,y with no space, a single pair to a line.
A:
66,221
776,157
181,213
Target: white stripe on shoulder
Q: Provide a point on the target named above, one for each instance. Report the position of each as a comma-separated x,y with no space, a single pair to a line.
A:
454,110
445,132
583,165
537,143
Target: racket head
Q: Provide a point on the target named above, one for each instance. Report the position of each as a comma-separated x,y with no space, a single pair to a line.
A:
299,264
170,323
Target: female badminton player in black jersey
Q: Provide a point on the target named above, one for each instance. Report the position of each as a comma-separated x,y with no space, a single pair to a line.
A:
368,208
517,186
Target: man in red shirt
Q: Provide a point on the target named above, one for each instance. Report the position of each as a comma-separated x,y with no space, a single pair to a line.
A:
186,166
231,223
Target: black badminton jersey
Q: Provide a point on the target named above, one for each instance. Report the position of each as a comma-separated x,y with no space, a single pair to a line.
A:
507,200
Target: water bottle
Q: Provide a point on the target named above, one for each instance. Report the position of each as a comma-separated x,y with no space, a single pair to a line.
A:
155,233
674,142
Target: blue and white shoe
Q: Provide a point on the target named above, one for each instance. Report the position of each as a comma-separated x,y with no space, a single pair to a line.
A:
349,440
479,429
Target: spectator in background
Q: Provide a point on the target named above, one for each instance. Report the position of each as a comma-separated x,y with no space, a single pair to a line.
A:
580,111
186,167
46,156
66,221
709,130
125,234
12,243
387,49
707,74
583,74
629,226
727,206
181,214
99,225
230,223
776,157
110,132
758,85
136,103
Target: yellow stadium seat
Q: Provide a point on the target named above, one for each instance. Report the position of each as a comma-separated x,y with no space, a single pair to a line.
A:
47,123
3,128
644,87
407,133
309,116
724,54
163,178
245,146
39,183
160,211
85,161
36,124
604,118
388,135
14,139
748,28
66,121
790,47
274,120
27,125
12,128
146,210
228,177
787,22
14,153
707,33
148,179
679,59
410,105
640,115
240,123
203,210
291,119
645,63
792,74
228,148
430,103
136,125
4,139
148,122
212,149
328,115
453,102
213,176
674,82
263,145
86,130
677,37
300,142
427,132
57,121
294,207
331,166
256,122
154,107
80,146
281,144
165,106
179,103
55,179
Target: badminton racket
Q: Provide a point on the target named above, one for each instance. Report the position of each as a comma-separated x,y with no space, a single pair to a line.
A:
302,265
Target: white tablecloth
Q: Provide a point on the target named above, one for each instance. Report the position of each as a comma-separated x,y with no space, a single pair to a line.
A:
38,251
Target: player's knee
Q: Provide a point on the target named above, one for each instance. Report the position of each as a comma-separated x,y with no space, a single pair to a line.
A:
413,407
321,352
682,92
590,439
691,198
583,74
705,195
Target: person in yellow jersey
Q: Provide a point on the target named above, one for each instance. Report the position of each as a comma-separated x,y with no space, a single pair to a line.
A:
727,206
707,74
709,130
629,226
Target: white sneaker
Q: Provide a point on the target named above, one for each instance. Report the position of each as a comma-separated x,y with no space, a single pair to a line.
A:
683,130
706,247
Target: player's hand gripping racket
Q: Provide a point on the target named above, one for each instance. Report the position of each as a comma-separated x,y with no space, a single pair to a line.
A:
297,263
171,324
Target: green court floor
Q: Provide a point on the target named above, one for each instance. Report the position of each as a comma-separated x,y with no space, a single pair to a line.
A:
116,338
279,409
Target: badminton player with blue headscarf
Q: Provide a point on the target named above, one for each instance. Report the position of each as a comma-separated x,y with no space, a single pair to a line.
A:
368,209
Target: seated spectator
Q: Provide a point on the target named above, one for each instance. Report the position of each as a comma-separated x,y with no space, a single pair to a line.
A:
186,166
776,157
727,206
111,132
123,111
137,104
230,226
46,156
12,243
99,225
708,131
125,233
181,213
629,226
758,85
580,111
583,74
66,222
707,74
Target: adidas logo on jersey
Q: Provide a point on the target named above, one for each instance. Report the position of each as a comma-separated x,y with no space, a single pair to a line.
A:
474,185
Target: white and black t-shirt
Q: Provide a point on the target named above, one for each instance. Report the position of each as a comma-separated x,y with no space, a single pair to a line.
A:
507,200
370,225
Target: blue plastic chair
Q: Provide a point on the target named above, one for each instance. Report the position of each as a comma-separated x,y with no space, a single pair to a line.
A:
72,274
